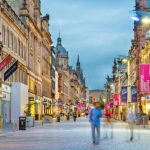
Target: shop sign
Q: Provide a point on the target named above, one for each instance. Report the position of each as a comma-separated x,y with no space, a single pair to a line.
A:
145,78
5,88
81,106
108,105
134,93
124,94
115,99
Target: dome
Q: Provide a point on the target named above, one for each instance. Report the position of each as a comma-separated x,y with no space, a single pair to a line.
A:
61,50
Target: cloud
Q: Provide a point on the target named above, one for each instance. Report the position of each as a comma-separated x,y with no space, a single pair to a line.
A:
97,30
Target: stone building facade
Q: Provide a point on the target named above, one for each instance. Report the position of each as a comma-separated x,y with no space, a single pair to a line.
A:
26,37
14,39
141,33
71,83
97,95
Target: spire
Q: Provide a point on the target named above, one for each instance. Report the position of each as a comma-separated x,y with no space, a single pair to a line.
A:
59,39
115,63
81,75
59,34
84,82
78,61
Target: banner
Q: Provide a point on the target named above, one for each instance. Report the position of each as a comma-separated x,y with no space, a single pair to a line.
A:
124,94
81,106
145,78
115,99
134,93
108,105
5,62
11,70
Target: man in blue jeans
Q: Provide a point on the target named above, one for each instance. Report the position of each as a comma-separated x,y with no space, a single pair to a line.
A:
94,118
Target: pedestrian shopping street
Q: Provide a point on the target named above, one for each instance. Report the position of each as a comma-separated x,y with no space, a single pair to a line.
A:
69,135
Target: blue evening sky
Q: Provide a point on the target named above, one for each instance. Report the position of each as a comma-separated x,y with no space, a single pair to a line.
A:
97,30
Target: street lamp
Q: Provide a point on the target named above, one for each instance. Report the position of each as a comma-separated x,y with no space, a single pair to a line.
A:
145,20
126,60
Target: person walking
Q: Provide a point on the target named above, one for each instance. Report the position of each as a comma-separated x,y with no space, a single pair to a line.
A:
131,117
108,124
74,116
94,118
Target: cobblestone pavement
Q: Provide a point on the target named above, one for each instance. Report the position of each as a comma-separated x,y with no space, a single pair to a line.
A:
75,136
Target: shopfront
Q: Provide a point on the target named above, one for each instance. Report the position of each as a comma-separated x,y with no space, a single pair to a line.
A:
35,104
47,106
146,104
6,90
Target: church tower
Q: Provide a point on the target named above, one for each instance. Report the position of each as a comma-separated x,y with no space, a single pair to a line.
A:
61,55
78,67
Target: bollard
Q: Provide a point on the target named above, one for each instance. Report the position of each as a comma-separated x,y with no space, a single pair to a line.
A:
143,121
1,124
33,122
42,121
17,125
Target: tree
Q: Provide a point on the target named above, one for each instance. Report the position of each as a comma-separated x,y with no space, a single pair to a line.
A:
101,103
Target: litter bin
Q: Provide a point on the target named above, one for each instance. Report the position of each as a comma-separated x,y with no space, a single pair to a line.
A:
22,123
68,117
58,118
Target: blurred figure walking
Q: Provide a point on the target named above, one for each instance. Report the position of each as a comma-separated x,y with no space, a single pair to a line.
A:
131,117
94,118
108,124
74,116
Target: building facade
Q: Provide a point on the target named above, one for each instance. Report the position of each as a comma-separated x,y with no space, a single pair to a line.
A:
71,83
26,38
97,95
14,40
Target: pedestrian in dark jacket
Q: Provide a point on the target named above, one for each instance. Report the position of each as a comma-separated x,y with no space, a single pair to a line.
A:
74,116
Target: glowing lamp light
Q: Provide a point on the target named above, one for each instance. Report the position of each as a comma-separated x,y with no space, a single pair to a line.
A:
146,20
124,60
135,18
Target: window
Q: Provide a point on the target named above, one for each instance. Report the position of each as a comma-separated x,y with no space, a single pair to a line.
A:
15,45
18,47
23,77
16,76
24,53
3,35
21,51
7,38
11,41
20,75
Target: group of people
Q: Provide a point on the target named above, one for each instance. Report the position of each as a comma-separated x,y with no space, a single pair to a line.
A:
94,117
